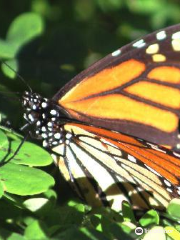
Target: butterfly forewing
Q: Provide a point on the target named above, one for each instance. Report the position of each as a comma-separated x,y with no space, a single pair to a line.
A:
134,90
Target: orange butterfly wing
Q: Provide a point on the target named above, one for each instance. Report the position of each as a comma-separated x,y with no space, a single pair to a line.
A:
135,91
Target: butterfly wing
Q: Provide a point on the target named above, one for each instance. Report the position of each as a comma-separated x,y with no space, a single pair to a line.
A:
134,90
109,167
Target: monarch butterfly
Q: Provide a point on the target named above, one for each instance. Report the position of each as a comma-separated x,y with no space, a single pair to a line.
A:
97,122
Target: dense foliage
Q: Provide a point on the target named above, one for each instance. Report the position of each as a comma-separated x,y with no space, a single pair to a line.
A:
47,43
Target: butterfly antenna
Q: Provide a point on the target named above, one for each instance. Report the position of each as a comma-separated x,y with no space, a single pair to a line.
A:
19,76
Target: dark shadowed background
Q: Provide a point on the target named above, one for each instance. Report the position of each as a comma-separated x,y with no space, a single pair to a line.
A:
76,33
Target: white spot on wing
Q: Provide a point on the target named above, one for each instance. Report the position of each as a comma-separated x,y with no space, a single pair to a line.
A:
131,158
161,35
116,53
176,154
178,146
176,35
178,191
139,44
167,183
176,44
169,190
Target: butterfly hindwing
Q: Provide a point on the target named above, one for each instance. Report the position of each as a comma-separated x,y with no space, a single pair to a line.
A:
115,167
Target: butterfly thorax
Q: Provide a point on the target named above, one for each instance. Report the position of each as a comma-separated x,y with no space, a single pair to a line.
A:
45,115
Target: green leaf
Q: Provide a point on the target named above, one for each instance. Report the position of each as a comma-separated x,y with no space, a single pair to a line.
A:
22,180
96,221
107,226
13,212
29,154
11,68
34,204
8,235
15,236
36,230
11,133
151,217
42,205
24,28
7,49
78,206
110,5
29,220
81,234
122,230
3,145
92,234
1,190
127,211
174,208
50,194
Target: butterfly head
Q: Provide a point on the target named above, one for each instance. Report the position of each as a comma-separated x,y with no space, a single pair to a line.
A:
42,113
33,104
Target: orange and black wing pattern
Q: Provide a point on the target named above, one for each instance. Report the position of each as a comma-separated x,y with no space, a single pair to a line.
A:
134,90
103,126
109,167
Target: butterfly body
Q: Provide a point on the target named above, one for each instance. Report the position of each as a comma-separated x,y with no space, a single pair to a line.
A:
46,117
105,124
